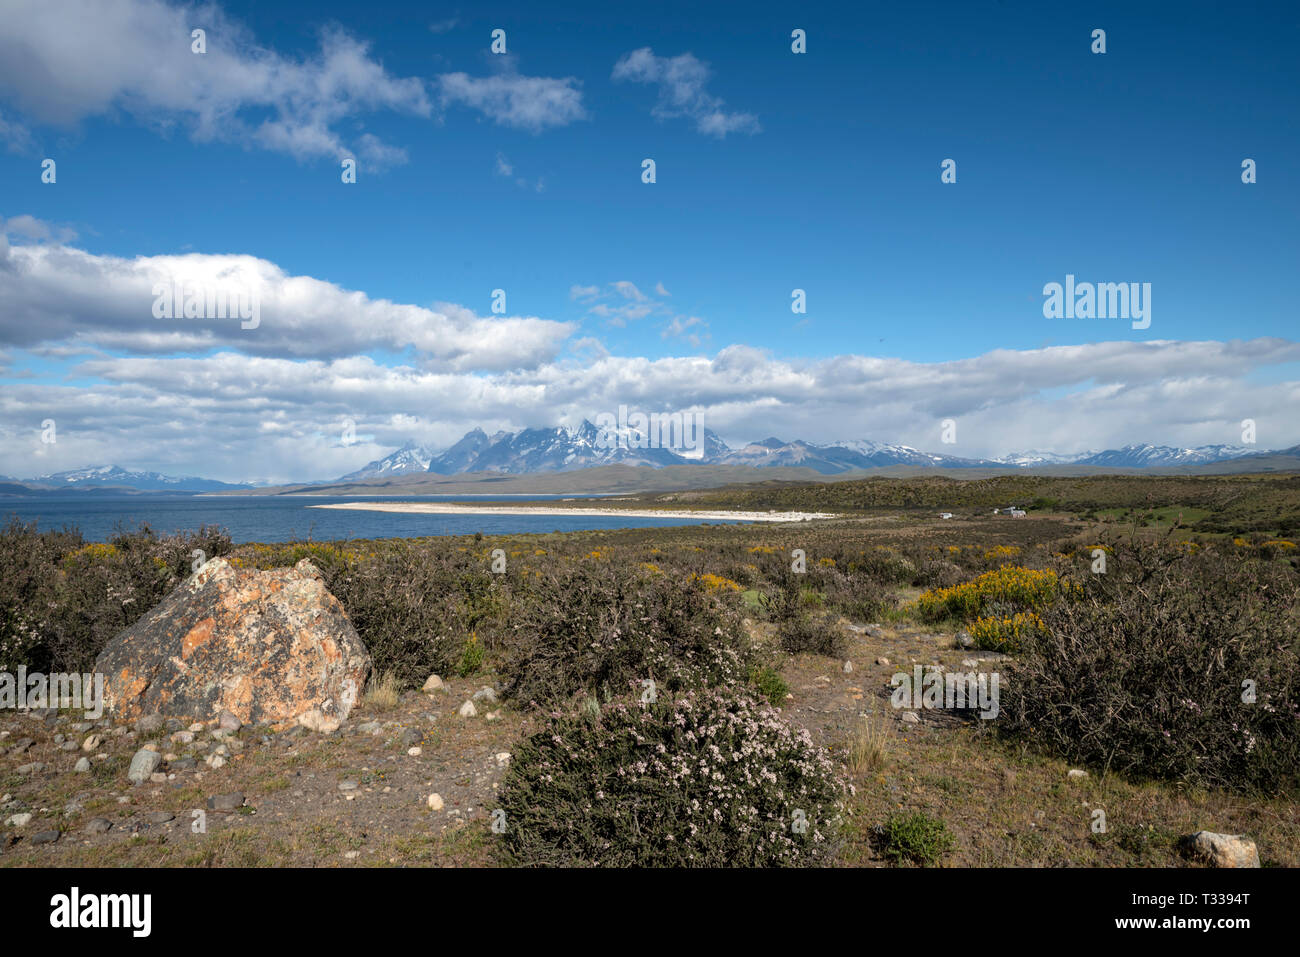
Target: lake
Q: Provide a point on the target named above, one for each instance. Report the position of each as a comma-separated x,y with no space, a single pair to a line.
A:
279,518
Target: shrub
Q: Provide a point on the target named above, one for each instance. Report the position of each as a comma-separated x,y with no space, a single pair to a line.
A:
770,684
708,779
62,600
1006,632
855,594
881,565
805,634
938,574
1141,670
915,837
471,657
596,627
415,606
1024,587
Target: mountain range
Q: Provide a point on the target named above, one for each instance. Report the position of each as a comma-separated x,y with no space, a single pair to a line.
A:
563,449
556,450
114,476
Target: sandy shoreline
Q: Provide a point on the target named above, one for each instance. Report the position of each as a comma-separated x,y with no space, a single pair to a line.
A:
444,508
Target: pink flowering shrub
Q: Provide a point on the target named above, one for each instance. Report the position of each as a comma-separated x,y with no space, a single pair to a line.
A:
706,779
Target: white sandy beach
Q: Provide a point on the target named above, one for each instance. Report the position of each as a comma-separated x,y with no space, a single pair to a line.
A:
443,508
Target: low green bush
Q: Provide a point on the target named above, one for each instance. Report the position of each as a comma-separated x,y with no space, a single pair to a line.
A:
915,838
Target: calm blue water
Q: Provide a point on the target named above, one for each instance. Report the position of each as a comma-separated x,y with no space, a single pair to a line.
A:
276,518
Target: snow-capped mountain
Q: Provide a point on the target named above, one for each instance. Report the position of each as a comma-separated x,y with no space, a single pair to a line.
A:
558,450
100,476
1150,456
830,459
411,457
1037,457
1134,456
567,449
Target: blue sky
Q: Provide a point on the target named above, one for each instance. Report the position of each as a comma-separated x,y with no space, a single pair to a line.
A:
1123,166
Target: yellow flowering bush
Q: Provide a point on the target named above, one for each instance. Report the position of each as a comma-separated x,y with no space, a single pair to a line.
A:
1012,584
999,552
715,582
1005,634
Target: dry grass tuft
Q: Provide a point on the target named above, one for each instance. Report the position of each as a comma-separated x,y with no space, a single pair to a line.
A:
383,693
869,748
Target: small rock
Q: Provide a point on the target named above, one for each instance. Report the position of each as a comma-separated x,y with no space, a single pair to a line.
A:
911,717
158,777
503,758
369,727
92,743
19,820
183,764
21,745
411,737
964,640
160,817
347,785
69,745
98,825
215,761
228,722
36,767
149,724
196,727
434,684
82,766
414,752
316,720
173,724
226,802
494,715
882,660
143,764
467,710
1076,773
44,837
435,802
485,694
1221,850
183,737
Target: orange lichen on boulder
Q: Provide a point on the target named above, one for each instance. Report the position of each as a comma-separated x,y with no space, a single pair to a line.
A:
197,636
270,647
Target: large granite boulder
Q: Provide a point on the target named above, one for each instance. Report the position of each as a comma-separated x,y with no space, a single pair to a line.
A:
269,647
